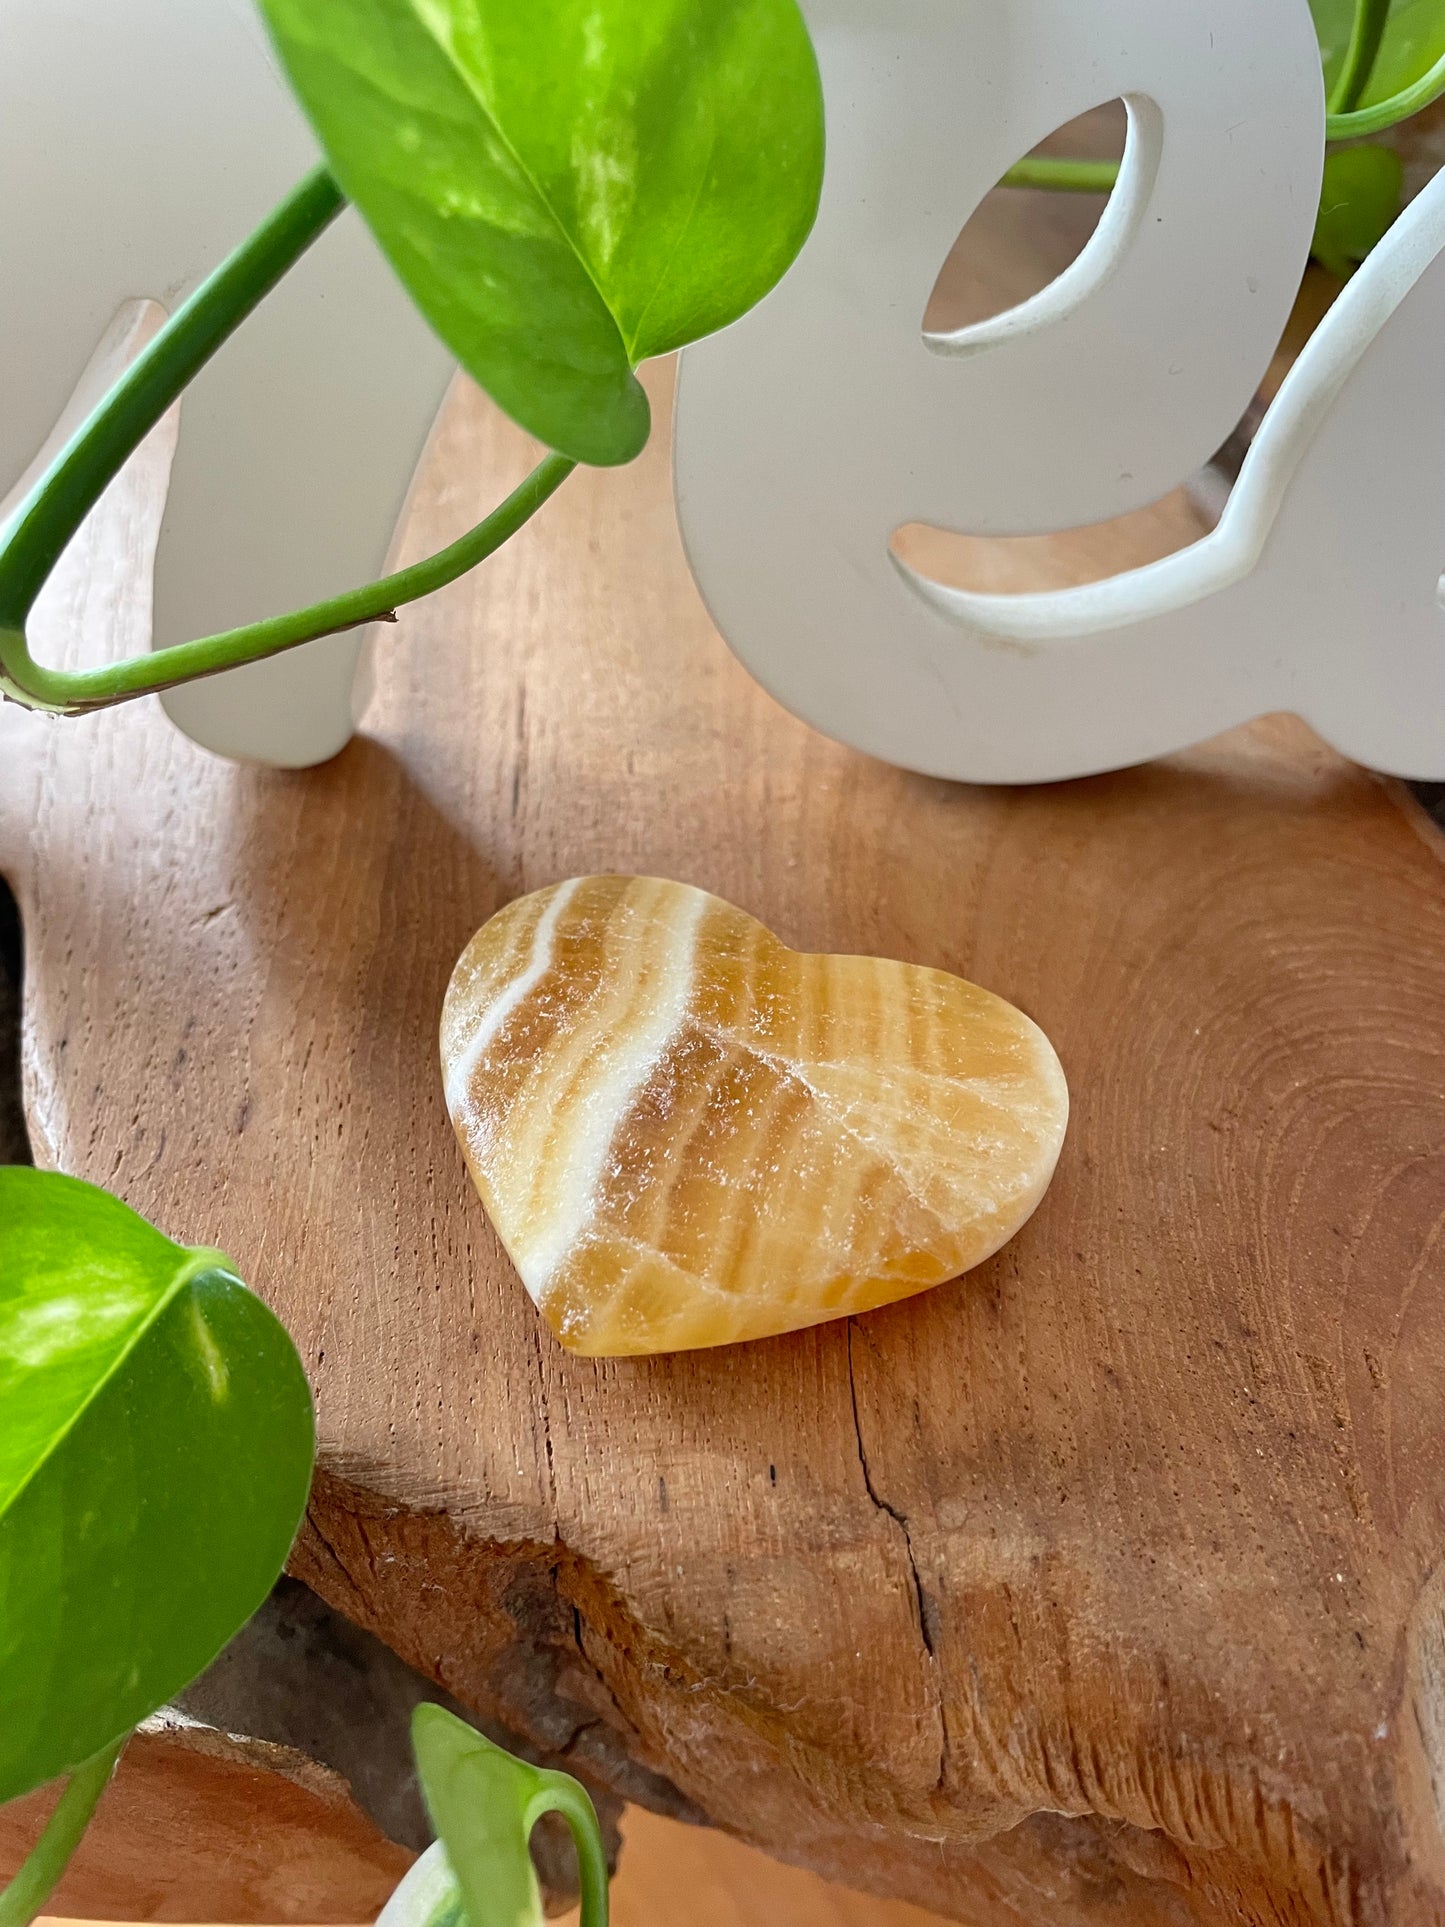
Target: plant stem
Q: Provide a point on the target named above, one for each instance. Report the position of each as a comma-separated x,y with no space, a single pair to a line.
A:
1073,177
48,1858
79,692
58,505
1383,114
100,447
566,1797
1371,17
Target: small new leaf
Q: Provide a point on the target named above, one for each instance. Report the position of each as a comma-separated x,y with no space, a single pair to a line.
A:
569,187
155,1456
484,1805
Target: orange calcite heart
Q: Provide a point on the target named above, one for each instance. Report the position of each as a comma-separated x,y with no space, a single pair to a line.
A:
686,1133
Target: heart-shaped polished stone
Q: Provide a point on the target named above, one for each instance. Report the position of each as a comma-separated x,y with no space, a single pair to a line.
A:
686,1133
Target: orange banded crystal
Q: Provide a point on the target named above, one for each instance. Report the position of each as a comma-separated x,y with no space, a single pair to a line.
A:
687,1134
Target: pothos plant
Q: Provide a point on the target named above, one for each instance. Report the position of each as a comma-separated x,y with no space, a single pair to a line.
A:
1384,62
155,1458
566,189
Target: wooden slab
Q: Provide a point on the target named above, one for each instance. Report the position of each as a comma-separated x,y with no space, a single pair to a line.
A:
1103,1585
198,1825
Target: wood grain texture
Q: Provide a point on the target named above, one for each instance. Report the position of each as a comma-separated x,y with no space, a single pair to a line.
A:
197,1825
1102,1586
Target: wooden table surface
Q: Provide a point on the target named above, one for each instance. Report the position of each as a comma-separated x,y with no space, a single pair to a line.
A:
672,1873
1102,1585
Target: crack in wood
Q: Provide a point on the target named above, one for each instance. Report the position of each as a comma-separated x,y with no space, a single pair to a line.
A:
928,1626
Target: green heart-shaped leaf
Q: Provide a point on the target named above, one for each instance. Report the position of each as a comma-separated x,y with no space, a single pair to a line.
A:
155,1454
568,187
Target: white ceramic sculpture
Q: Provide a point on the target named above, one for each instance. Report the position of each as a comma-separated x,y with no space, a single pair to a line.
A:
139,143
809,432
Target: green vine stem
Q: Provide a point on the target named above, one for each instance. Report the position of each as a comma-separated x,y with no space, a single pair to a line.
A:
1366,38
1069,177
1389,113
48,1858
563,1795
56,507
78,692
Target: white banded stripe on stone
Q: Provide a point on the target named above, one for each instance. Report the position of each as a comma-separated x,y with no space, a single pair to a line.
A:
616,1079
492,1016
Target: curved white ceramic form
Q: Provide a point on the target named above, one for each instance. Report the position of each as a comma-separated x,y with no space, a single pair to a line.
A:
811,431
138,144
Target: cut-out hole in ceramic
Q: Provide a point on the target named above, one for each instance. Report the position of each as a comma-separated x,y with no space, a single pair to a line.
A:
1098,261
1005,565
1019,241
